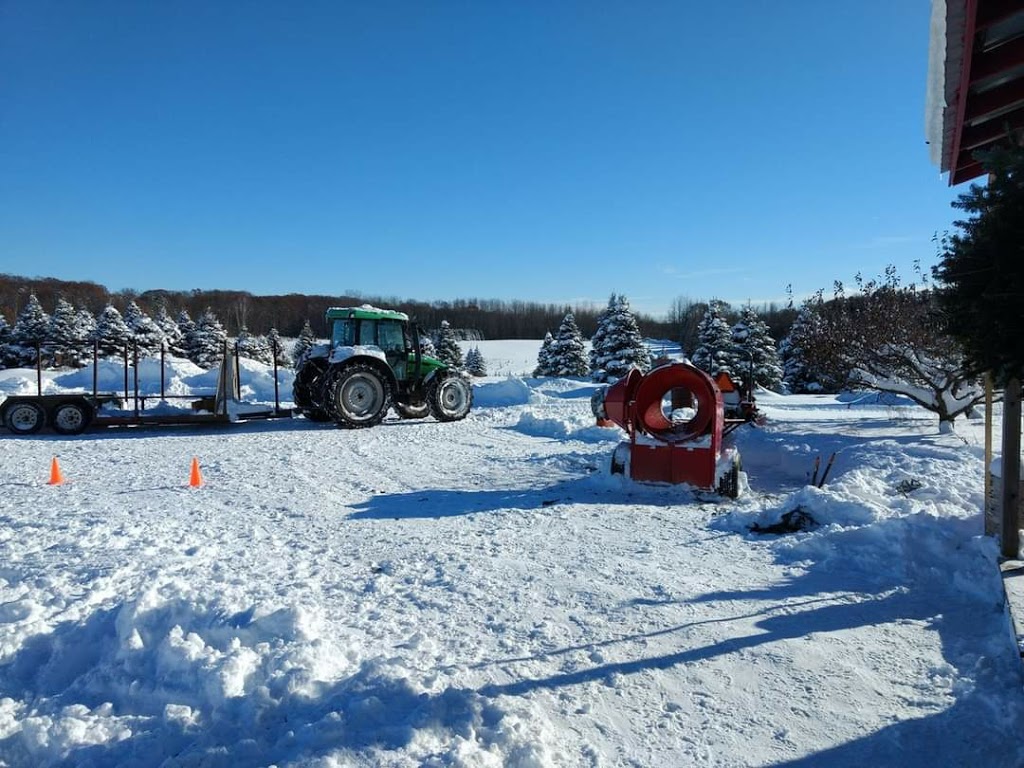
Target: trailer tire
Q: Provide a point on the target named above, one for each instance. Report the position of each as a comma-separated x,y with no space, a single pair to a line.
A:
24,418
71,418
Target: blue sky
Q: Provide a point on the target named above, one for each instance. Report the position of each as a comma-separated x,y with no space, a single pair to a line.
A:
543,151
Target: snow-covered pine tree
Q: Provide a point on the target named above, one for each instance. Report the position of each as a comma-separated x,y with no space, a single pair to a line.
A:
111,333
252,347
85,330
797,377
714,341
148,336
31,328
544,366
427,346
753,346
569,353
302,345
63,334
187,340
5,340
171,331
276,346
620,346
475,364
208,341
448,350
597,341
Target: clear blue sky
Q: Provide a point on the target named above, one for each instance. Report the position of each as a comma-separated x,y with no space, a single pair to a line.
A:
544,151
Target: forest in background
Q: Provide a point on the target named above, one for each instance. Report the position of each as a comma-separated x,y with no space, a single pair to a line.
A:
472,317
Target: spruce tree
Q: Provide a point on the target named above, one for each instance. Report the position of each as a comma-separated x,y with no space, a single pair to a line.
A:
63,334
5,341
597,341
207,346
31,328
172,333
797,376
187,338
754,348
714,341
427,347
276,347
544,365
569,353
85,330
252,347
619,346
475,364
112,333
303,344
448,350
147,334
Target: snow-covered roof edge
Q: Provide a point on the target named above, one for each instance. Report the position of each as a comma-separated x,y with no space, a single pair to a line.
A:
935,96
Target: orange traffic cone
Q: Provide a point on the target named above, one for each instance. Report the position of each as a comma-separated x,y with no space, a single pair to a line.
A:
56,476
195,478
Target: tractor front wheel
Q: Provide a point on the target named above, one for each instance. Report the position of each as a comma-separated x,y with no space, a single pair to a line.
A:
360,396
450,397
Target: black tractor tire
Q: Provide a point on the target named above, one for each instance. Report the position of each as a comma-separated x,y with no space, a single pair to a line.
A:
24,418
307,388
315,414
360,395
450,397
413,410
71,418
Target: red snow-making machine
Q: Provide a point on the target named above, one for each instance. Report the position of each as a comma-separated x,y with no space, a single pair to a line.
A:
677,417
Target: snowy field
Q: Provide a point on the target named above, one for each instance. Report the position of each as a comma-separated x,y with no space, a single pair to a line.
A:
484,593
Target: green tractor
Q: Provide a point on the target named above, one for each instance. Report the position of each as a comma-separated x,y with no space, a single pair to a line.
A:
372,363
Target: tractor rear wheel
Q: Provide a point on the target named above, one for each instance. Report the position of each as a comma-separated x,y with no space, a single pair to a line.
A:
359,396
450,397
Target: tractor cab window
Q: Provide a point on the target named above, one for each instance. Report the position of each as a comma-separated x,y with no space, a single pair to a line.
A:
367,332
390,337
343,333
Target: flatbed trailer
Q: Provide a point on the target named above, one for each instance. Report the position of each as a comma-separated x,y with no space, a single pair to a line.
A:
71,413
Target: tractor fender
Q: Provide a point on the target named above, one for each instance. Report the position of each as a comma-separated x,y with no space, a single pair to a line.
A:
374,356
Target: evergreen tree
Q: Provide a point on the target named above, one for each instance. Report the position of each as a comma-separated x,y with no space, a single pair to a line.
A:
31,328
146,332
207,347
276,347
982,269
253,347
427,346
63,334
796,377
544,365
448,350
475,364
754,347
5,341
187,339
172,333
569,353
111,333
85,329
597,341
714,352
618,344
303,344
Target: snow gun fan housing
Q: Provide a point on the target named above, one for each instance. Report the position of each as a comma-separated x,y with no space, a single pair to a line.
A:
675,419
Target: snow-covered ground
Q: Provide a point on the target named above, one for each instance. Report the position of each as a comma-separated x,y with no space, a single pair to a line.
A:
485,593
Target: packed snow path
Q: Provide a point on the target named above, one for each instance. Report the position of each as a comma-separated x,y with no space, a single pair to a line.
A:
483,593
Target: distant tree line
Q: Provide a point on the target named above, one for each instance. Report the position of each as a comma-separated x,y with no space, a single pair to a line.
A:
470,318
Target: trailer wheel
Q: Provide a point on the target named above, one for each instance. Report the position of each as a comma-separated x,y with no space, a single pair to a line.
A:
24,418
71,418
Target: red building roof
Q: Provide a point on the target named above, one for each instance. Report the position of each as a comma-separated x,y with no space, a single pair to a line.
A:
976,81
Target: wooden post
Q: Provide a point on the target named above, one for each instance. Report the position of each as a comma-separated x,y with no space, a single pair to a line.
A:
1011,469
